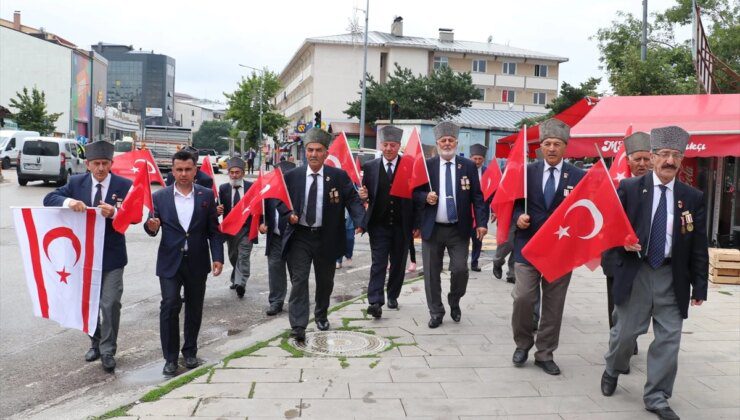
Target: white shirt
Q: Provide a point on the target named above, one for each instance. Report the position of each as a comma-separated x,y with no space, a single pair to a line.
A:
184,204
277,223
480,172
103,191
393,163
556,174
442,201
319,196
669,206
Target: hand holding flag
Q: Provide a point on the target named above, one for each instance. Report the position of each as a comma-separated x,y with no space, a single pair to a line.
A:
140,196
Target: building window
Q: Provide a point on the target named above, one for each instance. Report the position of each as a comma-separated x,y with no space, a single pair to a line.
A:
540,98
540,70
192,112
192,123
508,96
479,66
440,62
510,68
481,93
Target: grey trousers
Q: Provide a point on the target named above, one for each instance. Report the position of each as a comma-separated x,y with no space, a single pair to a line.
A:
306,250
500,257
652,297
105,337
276,265
432,253
525,294
240,249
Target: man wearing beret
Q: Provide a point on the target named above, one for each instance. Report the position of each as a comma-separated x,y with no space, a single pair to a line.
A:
447,207
106,191
478,156
240,247
389,222
201,178
315,231
659,276
549,181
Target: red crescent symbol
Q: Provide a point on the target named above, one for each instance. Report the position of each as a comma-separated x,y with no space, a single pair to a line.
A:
149,165
62,232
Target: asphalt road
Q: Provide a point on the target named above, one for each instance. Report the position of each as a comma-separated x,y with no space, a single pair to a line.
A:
42,367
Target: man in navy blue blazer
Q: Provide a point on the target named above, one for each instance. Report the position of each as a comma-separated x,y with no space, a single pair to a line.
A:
478,156
105,190
186,212
548,182
446,221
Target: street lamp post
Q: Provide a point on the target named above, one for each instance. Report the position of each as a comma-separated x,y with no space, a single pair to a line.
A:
364,79
259,140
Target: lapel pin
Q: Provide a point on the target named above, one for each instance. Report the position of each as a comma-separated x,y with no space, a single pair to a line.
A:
680,204
328,179
565,175
644,191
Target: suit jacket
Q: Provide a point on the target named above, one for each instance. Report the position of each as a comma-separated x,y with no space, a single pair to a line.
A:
201,235
285,166
372,170
271,204
200,178
333,234
469,201
224,197
538,212
689,249
80,187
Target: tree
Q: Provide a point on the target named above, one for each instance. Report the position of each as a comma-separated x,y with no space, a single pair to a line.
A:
669,68
244,106
441,94
32,114
209,135
568,96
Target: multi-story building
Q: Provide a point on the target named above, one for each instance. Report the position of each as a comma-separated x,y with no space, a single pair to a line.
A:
142,82
324,74
191,112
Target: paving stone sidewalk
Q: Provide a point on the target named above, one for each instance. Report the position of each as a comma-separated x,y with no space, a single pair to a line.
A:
464,371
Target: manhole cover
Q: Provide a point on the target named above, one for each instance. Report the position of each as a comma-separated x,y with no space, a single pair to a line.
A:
341,343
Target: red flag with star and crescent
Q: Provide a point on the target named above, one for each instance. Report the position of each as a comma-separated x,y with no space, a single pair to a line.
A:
620,168
340,156
208,170
511,187
125,165
490,179
62,264
138,198
588,222
412,169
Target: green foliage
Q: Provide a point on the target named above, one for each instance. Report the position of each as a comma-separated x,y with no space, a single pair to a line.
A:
568,96
244,107
208,136
165,389
439,95
32,114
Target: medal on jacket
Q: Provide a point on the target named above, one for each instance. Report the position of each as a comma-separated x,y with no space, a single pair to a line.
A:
117,201
689,221
683,224
465,182
334,196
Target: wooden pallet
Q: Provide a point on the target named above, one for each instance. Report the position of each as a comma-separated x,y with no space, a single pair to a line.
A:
724,266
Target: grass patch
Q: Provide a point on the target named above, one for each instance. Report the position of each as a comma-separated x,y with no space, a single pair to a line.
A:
118,412
210,375
413,280
373,364
724,292
251,390
249,350
342,305
343,362
160,391
346,321
294,352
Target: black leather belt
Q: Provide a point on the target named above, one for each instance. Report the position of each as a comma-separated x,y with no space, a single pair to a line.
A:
666,261
308,229
445,224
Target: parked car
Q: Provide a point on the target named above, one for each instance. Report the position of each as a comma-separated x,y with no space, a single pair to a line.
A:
49,159
212,156
9,142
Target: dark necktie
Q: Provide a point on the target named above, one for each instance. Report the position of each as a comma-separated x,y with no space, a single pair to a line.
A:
656,245
236,196
311,204
98,195
450,198
550,187
389,172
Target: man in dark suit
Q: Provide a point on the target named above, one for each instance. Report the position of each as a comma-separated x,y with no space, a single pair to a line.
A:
315,230
187,214
389,222
656,278
201,178
446,220
286,164
478,156
548,182
273,229
239,245
106,191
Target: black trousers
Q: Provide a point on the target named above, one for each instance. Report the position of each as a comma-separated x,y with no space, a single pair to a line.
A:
610,299
306,249
476,248
169,312
386,243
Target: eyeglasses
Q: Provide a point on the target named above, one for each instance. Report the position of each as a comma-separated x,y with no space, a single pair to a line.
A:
664,154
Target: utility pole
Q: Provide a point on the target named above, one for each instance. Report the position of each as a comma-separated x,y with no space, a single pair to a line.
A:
643,49
259,139
364,80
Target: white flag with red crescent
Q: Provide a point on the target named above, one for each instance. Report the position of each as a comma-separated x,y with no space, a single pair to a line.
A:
62,255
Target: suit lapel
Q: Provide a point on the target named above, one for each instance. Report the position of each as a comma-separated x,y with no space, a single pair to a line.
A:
459,173
537,182
678,196
646,210
375,178
197,199
300,190
434,174
170,199
88,191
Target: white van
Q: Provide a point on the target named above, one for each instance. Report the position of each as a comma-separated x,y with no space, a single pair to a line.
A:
9,142
49,159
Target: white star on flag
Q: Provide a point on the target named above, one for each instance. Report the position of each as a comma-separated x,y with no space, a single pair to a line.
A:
562,231
620,176
134,169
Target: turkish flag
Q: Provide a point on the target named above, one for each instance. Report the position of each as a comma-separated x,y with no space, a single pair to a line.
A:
268,185
490,179
63,262
340,156
620,167
132,208
412,169
588,222
208,170
511,186
125,165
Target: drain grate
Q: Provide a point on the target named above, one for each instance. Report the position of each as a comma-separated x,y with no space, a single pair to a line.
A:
341,343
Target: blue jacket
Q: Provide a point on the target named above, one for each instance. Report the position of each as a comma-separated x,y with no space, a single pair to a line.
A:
201,235
79,187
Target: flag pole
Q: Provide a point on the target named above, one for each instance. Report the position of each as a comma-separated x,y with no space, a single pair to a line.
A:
524,164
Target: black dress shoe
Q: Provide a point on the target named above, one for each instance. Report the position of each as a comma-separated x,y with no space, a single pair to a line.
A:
549,366
511,280
519,357
435,321
322,324
274,310
455,314
664,413
191,362
92,355
375,310
299,334
240,291
392,303
608,384
170,368
232,287
498,271
475,268
109,363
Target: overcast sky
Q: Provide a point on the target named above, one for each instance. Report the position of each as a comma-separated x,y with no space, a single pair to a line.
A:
208,39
